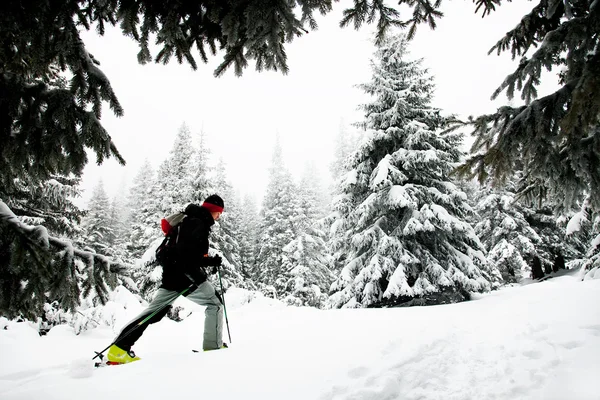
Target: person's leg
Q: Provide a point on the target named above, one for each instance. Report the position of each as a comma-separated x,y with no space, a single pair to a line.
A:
205,295
162,298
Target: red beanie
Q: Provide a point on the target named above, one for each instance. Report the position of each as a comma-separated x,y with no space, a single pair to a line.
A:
214,203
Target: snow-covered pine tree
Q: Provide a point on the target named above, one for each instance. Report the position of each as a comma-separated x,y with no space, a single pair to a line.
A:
592,265
101,236
276,227
346,142
144,218
405,233
312,189
171,192
201,187
146,233
501,224
225,234
175,175
547,216
98,231
306,274
553,238
119,220
249,228
583,228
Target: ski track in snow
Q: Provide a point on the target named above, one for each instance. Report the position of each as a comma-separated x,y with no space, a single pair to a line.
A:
540,341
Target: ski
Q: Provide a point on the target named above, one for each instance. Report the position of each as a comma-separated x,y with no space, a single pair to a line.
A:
225,346
107,364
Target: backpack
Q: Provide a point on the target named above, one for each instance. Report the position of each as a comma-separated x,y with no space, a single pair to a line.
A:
166,253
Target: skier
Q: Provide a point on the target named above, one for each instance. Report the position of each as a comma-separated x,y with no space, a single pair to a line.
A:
192,258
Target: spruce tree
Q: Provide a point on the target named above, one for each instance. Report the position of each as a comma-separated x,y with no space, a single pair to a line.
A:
592,262
174,190
307,275
312,190
505,232
201,187
249,231
404,220
148,274
226,232
119,221
146,198
144,219
276,228
583,229
553,238
102,233
345,143
97,224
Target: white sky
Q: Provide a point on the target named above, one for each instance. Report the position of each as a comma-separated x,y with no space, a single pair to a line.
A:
241,116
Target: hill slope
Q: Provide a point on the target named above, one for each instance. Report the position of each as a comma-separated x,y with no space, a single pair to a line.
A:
539,341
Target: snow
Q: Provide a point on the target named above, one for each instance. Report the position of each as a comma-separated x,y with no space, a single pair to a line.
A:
400,197
40,233
594,273
537,341
351,178
595,242
381,171
574,224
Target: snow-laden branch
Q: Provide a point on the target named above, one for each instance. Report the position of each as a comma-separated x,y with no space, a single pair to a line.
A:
40,235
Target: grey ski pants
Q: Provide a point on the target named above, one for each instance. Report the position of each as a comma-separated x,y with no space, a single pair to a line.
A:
204,295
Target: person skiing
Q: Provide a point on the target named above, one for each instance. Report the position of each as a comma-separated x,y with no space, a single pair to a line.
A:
191,259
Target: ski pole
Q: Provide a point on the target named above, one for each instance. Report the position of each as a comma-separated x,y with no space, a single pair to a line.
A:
142,322
224,306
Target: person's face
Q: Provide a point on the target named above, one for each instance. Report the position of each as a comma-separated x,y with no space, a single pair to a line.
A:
216,215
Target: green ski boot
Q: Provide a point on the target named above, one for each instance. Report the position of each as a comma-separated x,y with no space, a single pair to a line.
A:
117,355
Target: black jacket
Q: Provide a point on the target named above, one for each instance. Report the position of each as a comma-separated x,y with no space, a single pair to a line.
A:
191,250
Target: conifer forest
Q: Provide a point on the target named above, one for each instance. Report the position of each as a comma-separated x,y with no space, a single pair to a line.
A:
414,216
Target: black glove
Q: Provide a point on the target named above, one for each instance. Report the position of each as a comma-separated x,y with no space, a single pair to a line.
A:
214,261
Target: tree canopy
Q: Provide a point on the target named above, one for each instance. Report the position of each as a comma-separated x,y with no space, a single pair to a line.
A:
48,118
554,140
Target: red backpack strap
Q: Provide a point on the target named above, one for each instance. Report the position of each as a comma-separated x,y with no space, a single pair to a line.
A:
165,226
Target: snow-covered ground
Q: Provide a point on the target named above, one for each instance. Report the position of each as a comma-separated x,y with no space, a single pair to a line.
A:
538,341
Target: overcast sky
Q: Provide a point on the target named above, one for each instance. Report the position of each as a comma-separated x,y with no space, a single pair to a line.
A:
241,116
